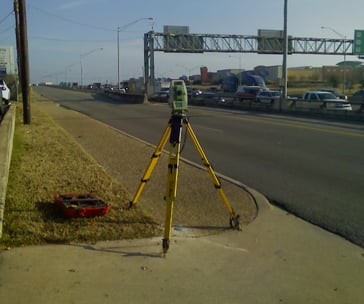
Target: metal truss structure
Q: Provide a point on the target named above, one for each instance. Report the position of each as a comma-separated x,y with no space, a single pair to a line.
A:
201,43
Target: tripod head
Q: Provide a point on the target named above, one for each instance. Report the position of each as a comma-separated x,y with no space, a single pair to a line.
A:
178,98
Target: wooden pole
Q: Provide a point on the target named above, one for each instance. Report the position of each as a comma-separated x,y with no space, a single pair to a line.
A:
20,12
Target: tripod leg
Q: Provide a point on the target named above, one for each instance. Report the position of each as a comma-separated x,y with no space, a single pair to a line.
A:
170,197
234,219
173,167
154,159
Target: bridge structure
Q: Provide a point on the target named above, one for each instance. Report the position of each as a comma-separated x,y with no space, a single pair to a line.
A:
216,43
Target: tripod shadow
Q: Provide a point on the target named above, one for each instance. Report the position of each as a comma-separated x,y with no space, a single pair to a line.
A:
125,251
146,250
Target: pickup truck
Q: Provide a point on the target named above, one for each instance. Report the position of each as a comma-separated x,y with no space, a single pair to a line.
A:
329,100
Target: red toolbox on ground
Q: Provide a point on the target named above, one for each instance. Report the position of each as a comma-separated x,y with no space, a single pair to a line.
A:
81,205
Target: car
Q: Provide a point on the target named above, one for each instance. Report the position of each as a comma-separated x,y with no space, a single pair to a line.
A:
164,93
268,96
161,95
212,96
109,89
358,97
212,90
193,92
329,100
335,92
247,92
5,91
359,93
114,90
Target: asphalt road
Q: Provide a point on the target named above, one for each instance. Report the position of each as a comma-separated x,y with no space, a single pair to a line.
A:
313,168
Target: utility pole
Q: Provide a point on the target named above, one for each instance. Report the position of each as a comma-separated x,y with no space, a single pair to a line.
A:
23,59
17,35
285,52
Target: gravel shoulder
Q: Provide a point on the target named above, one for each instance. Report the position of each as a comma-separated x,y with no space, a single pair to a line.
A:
66,151
126,158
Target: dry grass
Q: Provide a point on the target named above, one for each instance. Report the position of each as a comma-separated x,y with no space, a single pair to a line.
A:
46,160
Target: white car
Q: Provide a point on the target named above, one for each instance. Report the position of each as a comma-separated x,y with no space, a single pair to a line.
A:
329,100
268,96
5,92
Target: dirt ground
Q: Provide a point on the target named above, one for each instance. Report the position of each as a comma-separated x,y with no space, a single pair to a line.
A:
64,151
46,160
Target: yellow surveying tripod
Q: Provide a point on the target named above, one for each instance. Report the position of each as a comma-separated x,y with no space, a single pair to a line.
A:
173,131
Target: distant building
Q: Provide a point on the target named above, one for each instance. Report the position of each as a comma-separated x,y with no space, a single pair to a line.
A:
204,74
195,78
338,71
7,64
307,73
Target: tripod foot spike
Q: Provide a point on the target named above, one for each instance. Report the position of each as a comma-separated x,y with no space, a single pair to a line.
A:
165,246
234,222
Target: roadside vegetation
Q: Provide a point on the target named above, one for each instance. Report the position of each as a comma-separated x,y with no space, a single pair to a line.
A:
46,160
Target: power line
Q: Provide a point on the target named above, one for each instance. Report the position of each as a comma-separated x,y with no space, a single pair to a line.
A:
68,40
72,21
2,20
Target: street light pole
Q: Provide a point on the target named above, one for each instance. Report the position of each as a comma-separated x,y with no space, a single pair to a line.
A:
118,30
83,56
344,46
285,55
118,52
68,68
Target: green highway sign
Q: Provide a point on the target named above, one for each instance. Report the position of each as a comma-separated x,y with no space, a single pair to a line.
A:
358,48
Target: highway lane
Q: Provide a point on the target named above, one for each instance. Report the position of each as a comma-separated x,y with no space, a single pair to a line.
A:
313,168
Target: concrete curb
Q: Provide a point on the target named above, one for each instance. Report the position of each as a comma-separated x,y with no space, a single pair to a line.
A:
6,147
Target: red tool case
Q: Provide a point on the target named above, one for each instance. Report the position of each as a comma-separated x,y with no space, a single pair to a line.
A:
81,205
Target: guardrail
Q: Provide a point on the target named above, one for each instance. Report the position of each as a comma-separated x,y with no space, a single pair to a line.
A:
294,106
357,106
290,105
324,107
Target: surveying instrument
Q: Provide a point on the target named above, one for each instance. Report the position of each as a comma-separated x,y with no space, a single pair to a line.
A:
178,102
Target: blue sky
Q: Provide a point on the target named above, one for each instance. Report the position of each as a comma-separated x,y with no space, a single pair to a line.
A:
60,32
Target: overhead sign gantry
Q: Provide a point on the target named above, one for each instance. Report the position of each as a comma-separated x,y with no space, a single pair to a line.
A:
358,48
266,42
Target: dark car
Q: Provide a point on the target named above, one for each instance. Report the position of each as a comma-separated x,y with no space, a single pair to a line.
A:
193,92
359,93
161,95
358,96
212,90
